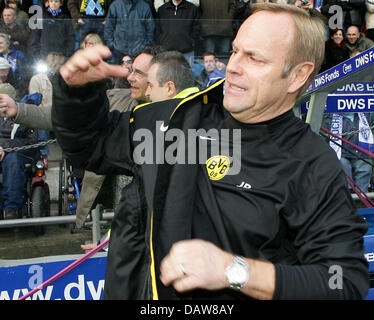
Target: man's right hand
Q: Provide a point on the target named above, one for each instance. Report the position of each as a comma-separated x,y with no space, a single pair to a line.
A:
8,107
87,65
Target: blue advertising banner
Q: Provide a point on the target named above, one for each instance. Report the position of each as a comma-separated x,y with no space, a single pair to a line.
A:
343,69
353,97
86,282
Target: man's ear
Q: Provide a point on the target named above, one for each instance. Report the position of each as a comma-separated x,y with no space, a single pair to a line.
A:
299,75
172,91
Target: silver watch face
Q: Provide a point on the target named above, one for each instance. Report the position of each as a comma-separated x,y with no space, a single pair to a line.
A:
237,275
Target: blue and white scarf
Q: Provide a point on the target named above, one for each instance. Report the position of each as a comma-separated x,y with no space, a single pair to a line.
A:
54,13
365,136
337,129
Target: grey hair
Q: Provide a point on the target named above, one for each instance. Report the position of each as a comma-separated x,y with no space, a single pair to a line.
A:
174,67
6,37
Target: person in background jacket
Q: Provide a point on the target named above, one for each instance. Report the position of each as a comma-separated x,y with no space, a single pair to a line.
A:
12,163
18,63
216,25
19,33
210,74
22,17
89,16
270,230
56,34
355,163
335,49
129,28
178,27
356,40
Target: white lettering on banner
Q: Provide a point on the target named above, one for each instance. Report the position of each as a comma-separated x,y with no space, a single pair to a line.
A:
369,87
364,59
351,104
95,293
72,291
347,68
325,78
369,256
80,288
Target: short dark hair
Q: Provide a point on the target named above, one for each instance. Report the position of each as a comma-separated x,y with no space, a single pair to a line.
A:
152,50
209,54
174,67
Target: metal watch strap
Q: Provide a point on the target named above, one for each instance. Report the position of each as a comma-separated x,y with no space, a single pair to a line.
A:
239,260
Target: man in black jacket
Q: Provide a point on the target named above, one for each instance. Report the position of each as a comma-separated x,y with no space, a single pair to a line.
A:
12,163
178,27
282,227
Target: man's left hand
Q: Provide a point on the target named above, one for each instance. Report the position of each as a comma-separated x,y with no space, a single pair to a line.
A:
193,264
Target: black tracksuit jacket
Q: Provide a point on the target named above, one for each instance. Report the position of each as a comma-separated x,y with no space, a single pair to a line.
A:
297,214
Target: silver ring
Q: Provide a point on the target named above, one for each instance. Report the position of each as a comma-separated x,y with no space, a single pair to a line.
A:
182,269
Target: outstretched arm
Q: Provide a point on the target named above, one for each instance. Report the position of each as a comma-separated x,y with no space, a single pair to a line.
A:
27,115
88,66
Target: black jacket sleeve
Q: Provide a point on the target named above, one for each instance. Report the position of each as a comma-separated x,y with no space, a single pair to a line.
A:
91,136
327,234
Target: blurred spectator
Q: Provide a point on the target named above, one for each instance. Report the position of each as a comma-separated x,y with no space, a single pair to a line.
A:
158,3
129,28
12,163
7,75
355,163
152,7
89,16
22,17
178,27
42,83
216,25
18,33
369,19
356,40
17,61
24,5
121,82
210,74
221,65
56,35
90,40
241,12
335,50
353,11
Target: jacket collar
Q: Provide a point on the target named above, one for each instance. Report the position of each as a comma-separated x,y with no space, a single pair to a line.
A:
186,92
170,4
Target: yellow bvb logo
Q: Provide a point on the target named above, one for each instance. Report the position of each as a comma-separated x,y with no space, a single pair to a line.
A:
217,167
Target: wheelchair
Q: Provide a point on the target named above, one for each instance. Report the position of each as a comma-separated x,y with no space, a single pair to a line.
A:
36,193
69,187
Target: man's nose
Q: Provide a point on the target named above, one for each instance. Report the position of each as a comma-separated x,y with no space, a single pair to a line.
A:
233,66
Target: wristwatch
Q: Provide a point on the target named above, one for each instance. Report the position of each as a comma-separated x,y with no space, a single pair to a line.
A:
237,273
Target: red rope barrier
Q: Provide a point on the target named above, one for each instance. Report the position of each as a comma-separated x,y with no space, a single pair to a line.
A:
66,270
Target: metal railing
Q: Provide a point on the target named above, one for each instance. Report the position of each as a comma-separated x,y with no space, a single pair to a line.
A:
97,214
